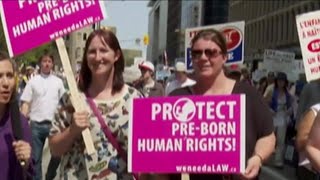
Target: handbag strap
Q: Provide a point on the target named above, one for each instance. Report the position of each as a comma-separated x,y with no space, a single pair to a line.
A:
107,131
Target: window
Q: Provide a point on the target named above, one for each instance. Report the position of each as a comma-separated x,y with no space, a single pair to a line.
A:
247,31
254,32
78,52
294,34
257,33
280,28
275,29
79,36
84,36
286,26
313,6
270,27
263,31
306,8
280,5
260,34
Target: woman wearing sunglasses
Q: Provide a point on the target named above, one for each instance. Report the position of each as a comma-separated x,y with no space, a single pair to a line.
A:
209,54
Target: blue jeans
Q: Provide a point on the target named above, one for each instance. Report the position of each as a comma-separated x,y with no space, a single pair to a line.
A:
40,132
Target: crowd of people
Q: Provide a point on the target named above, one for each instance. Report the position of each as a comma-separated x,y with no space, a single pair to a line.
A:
47,112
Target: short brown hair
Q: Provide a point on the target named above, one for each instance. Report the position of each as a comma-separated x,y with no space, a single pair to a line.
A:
85,73
213,35
45,55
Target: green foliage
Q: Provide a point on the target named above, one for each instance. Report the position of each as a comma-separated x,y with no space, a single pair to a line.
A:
3,44
31,57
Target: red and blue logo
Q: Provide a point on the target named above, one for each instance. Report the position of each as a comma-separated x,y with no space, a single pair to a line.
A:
233,37
234,40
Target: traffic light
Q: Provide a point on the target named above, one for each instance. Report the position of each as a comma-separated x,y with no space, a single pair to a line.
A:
146,39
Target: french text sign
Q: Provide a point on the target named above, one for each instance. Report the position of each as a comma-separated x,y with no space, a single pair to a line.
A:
309,36
31,23
191,134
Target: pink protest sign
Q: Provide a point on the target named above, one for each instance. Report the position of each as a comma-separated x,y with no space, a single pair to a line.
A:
193,134
31,23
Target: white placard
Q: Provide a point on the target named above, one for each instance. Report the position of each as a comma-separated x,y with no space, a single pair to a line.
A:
308,26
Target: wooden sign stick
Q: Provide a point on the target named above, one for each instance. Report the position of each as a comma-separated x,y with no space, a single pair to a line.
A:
77,101
185,176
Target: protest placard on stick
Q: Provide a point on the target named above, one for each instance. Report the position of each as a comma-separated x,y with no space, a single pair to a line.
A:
40,22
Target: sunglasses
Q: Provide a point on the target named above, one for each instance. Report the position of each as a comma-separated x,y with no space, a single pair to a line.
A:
210,53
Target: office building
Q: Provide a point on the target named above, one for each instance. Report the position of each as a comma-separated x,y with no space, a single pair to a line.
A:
270,24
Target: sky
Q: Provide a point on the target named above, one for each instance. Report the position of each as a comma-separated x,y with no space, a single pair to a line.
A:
131,20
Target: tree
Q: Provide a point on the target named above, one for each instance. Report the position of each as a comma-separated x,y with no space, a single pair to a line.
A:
31,57
3,44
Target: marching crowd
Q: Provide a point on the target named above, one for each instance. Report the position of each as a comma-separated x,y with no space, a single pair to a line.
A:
274,113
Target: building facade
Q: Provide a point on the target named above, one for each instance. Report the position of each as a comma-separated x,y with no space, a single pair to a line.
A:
191,16
196,13
214,12
270,24
191,13
173,29
130,55
157,29
75,43
179,16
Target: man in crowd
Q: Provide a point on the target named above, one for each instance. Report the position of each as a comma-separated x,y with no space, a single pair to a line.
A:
39,102
181,79
146,83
